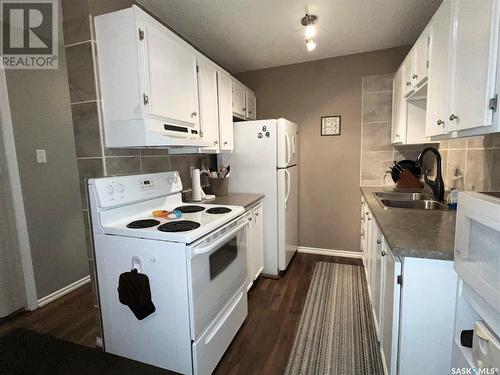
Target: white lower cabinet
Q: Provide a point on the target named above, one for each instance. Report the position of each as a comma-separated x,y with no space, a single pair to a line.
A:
389,330
255,243
413,304
427,312
376,276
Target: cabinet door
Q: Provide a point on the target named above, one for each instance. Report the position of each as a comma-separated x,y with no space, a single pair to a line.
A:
398,108
209,114
377,275
439,62
369,251
474,65
172,87
258,240
251,105
420,58
239,100
391,295
250,248
363,231
224,83
407,69
427,315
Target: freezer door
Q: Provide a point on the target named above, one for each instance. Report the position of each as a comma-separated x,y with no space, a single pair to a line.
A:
288,142
288,186
253,170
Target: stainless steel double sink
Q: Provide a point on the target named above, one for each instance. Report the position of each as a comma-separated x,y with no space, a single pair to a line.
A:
416,201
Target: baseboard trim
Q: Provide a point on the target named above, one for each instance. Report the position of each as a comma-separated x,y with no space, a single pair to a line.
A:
330,252
61,292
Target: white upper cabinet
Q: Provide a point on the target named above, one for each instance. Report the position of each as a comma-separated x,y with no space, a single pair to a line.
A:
170,75
244,102
239,100
148,82
225,95
407,73
398,105
474,49
420,60
209,113
409,95
251,105
439,62
462,68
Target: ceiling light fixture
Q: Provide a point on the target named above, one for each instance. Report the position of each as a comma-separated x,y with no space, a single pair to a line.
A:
310,31
310,44
308,21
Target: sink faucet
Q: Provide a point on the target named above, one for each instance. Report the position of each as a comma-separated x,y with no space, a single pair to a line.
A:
437,185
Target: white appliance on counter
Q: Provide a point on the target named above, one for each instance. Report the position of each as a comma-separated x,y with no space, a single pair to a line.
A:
265,161
196,265
477,263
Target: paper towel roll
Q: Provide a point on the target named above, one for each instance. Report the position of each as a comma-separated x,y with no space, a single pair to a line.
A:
196,185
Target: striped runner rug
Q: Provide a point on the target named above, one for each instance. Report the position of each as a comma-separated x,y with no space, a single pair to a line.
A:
336,333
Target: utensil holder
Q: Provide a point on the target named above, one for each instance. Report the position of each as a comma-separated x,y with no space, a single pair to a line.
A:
219,186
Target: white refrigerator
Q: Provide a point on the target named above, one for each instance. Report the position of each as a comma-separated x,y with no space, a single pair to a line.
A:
265,161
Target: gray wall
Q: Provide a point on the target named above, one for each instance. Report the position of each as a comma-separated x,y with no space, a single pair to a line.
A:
41,115
329,166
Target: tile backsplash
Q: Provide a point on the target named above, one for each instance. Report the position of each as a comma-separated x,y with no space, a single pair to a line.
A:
472,163
467,163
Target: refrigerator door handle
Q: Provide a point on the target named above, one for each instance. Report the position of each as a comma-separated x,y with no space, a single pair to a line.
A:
287,173
288,151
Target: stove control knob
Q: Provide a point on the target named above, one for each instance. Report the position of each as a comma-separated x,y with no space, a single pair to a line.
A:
109,189
120,188
170,180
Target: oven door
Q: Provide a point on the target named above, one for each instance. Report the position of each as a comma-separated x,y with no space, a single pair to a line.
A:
216,269
477,245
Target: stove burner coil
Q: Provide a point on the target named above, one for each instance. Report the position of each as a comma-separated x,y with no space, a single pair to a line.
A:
139,224
179,226
190,209
218,210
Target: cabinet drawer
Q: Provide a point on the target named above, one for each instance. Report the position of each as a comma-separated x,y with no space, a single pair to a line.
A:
210,347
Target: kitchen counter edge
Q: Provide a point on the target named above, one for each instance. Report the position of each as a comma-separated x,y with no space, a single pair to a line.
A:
431,236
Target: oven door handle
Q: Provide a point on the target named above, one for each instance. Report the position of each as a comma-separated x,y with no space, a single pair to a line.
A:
215,244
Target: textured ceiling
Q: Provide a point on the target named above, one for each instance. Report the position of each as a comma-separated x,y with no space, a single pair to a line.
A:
244,35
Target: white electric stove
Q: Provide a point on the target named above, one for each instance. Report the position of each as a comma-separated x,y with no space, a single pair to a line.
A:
195,261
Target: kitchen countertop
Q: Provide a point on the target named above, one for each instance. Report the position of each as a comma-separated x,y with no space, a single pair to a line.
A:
414,233
244,200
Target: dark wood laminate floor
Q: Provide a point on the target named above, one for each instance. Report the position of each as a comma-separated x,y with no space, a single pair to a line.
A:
71,318
264,341
262,345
